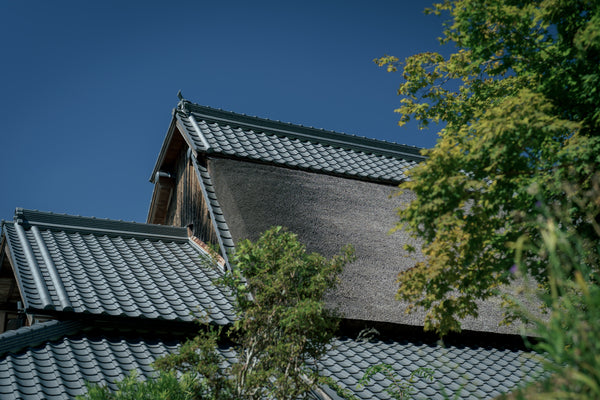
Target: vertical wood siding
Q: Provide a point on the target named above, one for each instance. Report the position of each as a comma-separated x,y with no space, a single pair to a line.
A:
188,205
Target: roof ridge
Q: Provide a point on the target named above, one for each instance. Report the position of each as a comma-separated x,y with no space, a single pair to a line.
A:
30,336
97,225
323,136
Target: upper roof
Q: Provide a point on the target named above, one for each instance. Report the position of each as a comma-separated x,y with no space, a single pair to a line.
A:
95,266
223,133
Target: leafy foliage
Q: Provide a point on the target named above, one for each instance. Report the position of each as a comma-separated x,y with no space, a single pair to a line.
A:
166,386
282,323
399,389
568,335
200,358
519,106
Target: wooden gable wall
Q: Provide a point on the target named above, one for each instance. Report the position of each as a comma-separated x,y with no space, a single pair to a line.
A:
10,296
185,205
188,205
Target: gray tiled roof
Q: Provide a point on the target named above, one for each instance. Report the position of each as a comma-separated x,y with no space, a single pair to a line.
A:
471,372
235,135
14,340
86,265
215,209
59,368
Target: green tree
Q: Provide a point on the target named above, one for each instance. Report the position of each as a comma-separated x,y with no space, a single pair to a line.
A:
282,328
166,386
519,106
567,335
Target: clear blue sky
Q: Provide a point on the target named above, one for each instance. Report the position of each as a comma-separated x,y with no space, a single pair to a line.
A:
87,87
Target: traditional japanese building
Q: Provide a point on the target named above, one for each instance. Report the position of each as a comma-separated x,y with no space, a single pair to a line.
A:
94,299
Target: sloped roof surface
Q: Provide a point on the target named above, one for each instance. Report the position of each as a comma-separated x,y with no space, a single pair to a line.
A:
215,209
235,135
470,372
59,368
85,265
13,341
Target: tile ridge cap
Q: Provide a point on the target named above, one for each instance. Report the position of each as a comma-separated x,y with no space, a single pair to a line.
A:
13,341
298,131
108,227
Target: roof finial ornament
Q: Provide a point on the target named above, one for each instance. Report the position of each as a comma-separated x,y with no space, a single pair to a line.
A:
181,106
19,218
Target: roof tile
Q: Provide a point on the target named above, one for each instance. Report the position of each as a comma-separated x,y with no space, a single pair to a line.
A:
455,369
60,367
263,140
114,269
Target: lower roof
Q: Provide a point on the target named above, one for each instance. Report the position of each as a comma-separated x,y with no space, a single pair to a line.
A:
62,356
59,367
458,371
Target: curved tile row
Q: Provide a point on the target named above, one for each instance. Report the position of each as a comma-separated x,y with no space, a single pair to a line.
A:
293,152
59,368
215,211
472,373
122,275
206,182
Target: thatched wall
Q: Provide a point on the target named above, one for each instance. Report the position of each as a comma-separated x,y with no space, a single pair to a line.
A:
328,212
